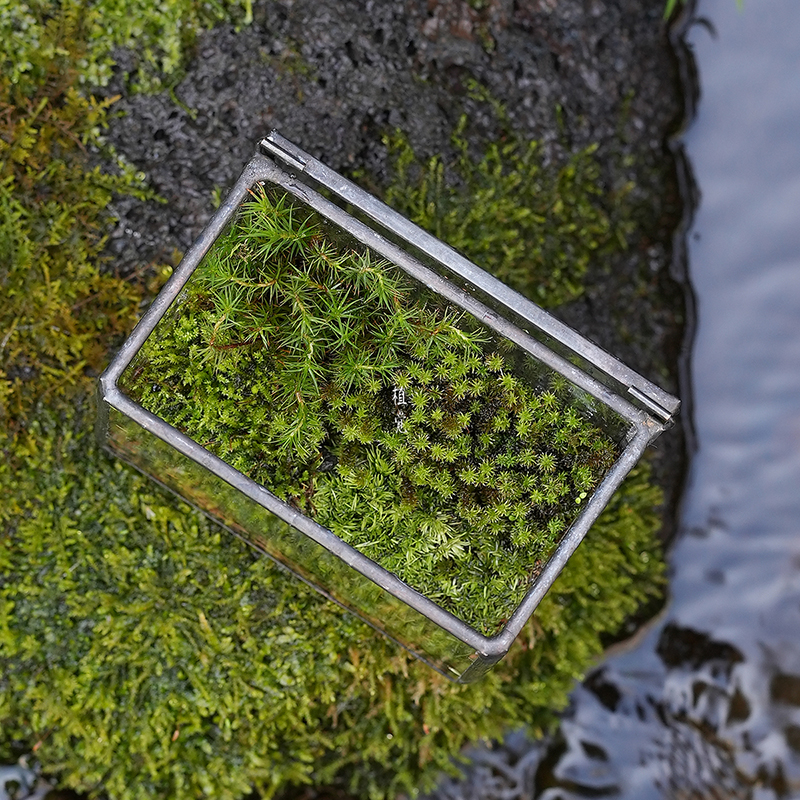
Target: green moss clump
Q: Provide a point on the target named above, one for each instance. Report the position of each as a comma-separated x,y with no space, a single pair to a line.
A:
537,227
60,312
157,34
312,368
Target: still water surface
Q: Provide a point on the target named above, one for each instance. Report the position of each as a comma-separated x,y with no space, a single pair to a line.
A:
707,704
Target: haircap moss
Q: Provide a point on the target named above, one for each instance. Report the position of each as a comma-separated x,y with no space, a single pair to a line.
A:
321,371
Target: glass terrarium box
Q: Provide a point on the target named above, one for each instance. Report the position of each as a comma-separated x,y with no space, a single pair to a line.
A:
373,411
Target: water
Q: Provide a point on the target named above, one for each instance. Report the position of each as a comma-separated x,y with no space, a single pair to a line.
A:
707,704
18,780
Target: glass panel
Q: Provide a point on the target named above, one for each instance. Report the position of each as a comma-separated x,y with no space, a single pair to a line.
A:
436,447
573,348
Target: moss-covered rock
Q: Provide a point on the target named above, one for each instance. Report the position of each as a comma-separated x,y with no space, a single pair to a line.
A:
146,653
536,226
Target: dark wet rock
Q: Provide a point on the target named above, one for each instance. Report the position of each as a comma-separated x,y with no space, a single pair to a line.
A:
792,734
785,689
679,646
739,709
605,691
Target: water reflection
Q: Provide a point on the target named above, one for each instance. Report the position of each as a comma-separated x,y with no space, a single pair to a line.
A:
708,704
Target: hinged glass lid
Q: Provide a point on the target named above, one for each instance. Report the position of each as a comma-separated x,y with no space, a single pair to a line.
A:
371,409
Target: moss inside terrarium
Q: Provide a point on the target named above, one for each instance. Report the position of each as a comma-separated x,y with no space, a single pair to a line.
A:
390,417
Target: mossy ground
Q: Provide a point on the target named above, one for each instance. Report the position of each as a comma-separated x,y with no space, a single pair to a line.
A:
144,652
536,227
394,421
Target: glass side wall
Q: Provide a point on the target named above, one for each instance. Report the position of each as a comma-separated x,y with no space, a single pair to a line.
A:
566,350
286,545
434,446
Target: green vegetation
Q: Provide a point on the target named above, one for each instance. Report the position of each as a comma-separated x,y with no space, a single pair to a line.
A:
145,653
312,368
60,312
36,32
535,227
